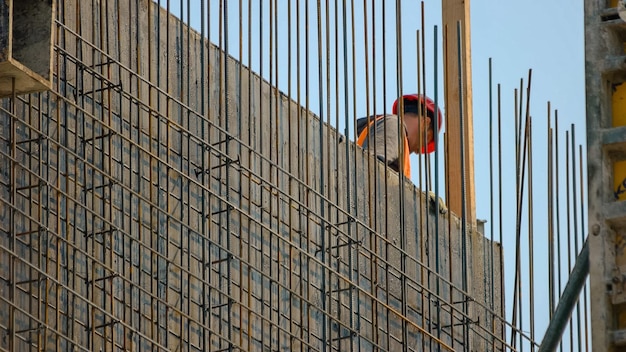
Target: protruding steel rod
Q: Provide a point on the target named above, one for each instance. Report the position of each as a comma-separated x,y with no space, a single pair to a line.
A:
567,302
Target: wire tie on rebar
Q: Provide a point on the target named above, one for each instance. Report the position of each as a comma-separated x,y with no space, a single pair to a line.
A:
112,322
229,348
466,300
465,321
40,229
103,232
227,258
104,185
108,62
111,133
349,336
38,184
228,139
29,330
229,302
112,276
36,140
339,290
350,220
349,243
228,208
226,163
30,281
109,86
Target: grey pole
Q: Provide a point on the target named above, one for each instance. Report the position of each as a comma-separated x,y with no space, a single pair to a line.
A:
568,301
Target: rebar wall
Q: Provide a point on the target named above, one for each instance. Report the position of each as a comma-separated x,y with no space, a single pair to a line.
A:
166,195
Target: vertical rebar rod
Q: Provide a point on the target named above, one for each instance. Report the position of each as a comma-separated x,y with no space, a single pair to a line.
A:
386,246
557,208
372,219
262,148
244,337
401,189
290,217
326,321
423,182
12,222
206,164
303,224
185,194
436,141
569,224
249,224
527,149
550,202
421,89
500,231
126,201
517,106
531,259
421,237
105,40
161,247
575,213
307,137
58,86
45,253
514,321
449,235
491,279
517,294
274,246
464,278
355,307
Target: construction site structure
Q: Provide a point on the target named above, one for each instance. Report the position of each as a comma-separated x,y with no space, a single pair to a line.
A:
605,37
26,40
161,196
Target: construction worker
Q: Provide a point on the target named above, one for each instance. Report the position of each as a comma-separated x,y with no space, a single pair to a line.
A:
418,133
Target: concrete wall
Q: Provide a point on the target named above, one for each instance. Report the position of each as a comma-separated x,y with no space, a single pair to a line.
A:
605,74
164,197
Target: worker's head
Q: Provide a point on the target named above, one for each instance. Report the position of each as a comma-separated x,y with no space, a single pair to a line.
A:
419,118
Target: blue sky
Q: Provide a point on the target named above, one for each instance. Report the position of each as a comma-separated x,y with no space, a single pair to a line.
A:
547,37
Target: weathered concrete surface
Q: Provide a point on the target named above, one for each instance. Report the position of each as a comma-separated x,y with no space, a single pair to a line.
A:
33,35
26,38
184,204
606,144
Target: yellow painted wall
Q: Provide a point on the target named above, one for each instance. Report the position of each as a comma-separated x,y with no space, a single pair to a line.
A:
619,105
619,119
619,180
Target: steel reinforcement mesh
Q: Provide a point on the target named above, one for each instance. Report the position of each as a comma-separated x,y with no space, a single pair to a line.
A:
163,197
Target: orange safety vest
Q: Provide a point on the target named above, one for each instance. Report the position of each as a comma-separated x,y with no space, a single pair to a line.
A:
407,152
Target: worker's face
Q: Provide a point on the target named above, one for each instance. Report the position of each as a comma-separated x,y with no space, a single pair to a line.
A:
425,136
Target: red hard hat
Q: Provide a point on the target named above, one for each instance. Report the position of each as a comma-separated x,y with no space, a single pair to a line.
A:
430,111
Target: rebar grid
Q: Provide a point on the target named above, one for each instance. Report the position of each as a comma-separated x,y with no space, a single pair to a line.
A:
165,197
